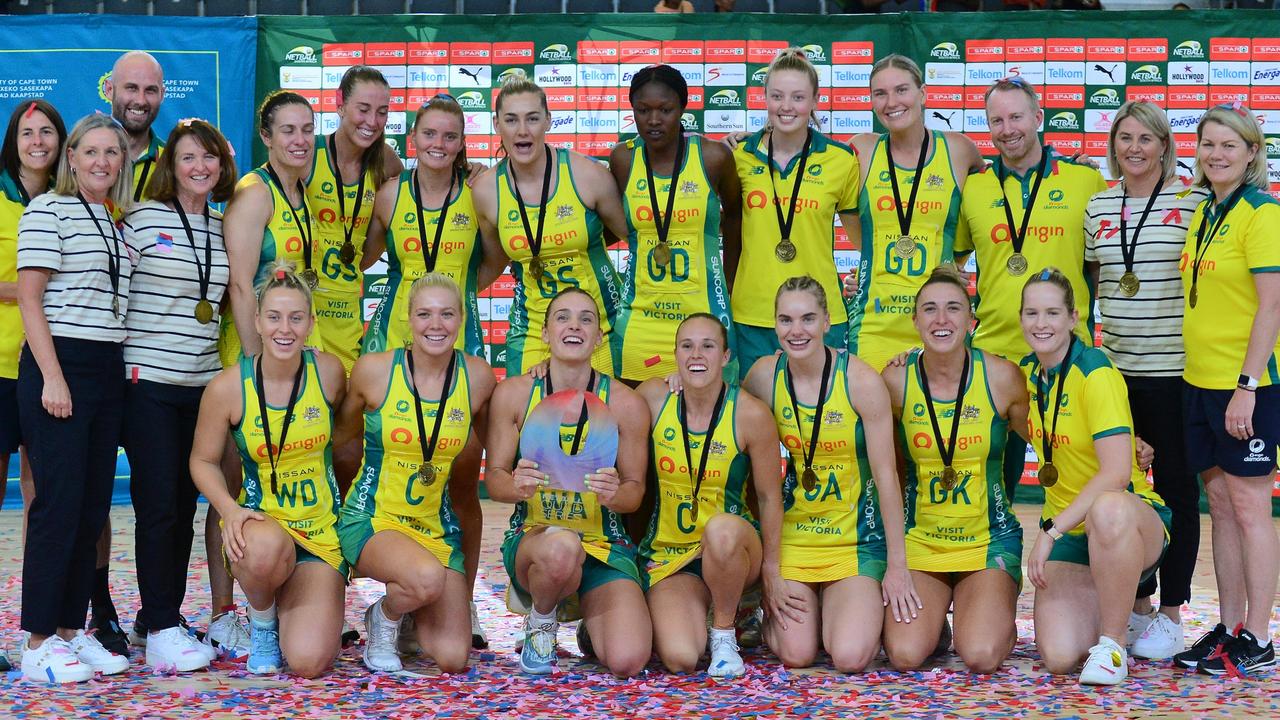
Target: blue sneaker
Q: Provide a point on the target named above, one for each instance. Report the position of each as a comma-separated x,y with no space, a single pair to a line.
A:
264,649
538,656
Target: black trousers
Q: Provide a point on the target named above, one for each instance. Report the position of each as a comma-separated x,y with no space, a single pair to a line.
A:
1156,403
73,461
159,428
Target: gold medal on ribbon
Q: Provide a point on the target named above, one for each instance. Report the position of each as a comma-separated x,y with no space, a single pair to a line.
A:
904,246
1017,264
535,267
426,473
809,480
309,276
693,512
1193,296
1048,475
1129,284
348,253
115,306
204,312
785,250
662,253
948,477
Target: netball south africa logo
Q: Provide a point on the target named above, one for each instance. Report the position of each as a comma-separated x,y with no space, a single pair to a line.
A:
557,414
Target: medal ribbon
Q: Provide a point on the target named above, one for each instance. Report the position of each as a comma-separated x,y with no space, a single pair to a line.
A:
142,181
203,270
347,232
1202,247
582,416
948,451
432,255
113,254
683,412
904,216
305,236
272,456
1017,238
808,455
784,224
535,241
662,224
1129,251
429,446
1046,439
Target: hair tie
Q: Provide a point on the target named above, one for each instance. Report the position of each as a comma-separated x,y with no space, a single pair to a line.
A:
30,109
280,274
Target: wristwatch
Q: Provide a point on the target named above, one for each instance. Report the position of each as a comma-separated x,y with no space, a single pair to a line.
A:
1047,526
1247,383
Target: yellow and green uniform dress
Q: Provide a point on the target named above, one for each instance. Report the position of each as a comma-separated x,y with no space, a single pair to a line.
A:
611,554
658,297
1055,237
1094,405
674,538
339,314
880,324
305,501
1216,331
971,526
12,204
388,494
459,257
572,253
280,240
829,186
144,167
833,531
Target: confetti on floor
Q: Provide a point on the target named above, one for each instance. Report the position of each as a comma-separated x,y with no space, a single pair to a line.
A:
494,689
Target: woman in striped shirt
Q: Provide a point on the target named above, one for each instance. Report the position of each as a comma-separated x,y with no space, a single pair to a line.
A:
73,290
171,353
1134,235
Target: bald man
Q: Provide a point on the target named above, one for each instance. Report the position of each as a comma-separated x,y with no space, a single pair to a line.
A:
136,89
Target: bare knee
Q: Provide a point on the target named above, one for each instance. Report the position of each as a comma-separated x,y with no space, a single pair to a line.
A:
721,537
311,664
265,557
680,660
905,656
983,657
627,662
1111,516
453,659
1059,661
423,584
559,556
853,660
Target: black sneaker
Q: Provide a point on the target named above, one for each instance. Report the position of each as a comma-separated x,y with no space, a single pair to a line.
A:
1240,655
1206,645
108,632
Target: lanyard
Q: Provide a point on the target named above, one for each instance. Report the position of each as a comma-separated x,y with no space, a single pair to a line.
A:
429,446
662,223
113,254
432,256
1017,237
1049,432
203,270
274,457
904,215
784,224
535,241
348,252
683,408
809,478
582,416
142,181
306,217
1202,247
1129,251
946,451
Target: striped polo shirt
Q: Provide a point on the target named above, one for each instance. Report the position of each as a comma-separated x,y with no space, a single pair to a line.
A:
56,234
166,343
1142,335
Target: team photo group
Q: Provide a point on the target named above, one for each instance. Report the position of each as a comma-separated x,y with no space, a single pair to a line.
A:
724,443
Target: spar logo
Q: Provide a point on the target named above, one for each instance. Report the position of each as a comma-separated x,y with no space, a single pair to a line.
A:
945,51
1147,73
1105,97
815,53
558,52
760,76
471,100
1273,147
301,55
725,98
1189,50
1064,121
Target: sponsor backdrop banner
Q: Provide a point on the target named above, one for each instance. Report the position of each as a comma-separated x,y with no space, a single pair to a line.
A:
209,66
1085,65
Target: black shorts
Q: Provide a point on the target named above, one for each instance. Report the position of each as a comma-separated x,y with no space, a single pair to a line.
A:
10,435
1209,445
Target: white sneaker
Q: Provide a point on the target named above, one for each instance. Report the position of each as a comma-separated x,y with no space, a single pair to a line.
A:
90,651
407,636
1162,639
1137,625
228,635
1107,664
725,660
380,640
53,662
478,639
173,648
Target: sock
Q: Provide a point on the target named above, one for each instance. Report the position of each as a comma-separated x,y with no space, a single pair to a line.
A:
265,618
536,618
724,633
380,615
103,608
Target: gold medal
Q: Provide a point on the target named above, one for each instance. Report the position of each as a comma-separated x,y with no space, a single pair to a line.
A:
809,480
1048,475
785,250
309,276
115,306
905,246
1129,284
204,312
348,253
1017,264
948,477
662,253
426,473
693,512
535,267
1193,296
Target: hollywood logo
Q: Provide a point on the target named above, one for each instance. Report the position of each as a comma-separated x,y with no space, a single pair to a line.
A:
1189,50
945,51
